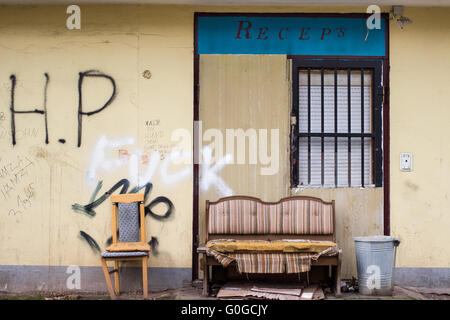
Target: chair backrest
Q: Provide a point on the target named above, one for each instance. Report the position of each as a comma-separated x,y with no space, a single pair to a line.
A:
128,218
292,217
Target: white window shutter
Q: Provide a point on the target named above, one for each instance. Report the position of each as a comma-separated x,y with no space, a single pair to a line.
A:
329,127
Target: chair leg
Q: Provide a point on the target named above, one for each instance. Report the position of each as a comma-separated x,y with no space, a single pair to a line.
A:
338,275
116,277
144,277
205,291
108,279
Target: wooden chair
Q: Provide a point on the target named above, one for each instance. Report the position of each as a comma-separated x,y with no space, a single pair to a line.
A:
128,239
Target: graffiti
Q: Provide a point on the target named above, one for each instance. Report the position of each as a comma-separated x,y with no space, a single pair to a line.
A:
25,201
209,173
166,177
15,185
89,208
92,243
210,177
123,185
81,113
153,136
43,110
13,172
154,245
154,122
13,212
19,133
36,111
99,159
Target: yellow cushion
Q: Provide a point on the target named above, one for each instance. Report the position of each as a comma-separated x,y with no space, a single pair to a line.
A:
128,246
276,245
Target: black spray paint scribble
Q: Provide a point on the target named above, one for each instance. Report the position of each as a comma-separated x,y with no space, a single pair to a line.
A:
81,113
92,243
154,245
123,185
37,111
43,111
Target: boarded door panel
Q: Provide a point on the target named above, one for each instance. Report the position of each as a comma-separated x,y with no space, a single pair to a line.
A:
246,91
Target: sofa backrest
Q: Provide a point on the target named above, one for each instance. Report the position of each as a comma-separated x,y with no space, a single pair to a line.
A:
240,215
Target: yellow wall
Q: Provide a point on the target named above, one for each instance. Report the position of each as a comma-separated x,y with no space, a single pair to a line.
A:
123,41
420,109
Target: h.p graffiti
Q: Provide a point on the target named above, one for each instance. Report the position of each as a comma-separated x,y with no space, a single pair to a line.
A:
43,111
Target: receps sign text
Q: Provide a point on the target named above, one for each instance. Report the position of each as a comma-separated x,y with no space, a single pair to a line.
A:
345,36
263,32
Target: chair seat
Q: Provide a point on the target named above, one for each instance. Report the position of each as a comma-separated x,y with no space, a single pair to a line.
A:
124,254
128,247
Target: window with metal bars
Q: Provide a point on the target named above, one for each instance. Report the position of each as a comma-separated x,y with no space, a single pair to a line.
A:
336,134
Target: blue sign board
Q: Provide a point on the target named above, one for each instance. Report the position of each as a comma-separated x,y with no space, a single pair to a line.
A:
311,36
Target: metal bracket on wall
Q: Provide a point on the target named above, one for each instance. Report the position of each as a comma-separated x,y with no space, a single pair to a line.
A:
293,120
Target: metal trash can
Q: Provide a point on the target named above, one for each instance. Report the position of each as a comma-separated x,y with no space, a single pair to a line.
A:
375,259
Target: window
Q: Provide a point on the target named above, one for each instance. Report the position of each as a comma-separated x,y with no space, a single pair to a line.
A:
336,132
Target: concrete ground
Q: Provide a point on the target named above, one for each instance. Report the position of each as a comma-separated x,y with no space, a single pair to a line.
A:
192,291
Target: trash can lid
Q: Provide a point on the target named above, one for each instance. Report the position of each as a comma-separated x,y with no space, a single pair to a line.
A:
376,238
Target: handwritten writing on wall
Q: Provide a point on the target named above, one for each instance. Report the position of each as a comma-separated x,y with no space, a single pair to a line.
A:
21,133
154,137
17,188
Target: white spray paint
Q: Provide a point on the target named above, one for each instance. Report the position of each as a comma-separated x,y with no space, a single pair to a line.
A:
99,159
209,171
172,178
133,168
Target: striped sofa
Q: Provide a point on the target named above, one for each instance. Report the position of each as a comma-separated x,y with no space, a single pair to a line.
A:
288,236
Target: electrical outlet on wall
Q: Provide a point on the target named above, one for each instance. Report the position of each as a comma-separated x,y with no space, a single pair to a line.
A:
406,161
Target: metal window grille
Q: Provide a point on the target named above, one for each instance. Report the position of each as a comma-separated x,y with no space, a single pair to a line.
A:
336,138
